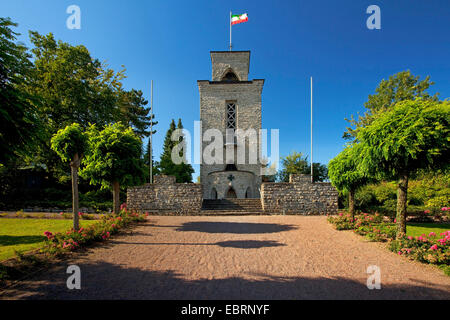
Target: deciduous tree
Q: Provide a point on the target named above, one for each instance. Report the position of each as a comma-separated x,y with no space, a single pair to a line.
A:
412,135
70,144
114,159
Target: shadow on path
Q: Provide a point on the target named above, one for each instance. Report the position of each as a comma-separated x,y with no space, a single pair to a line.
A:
240,244
235,227
111,281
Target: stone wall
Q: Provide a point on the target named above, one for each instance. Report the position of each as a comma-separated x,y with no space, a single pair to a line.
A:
166,196
299,196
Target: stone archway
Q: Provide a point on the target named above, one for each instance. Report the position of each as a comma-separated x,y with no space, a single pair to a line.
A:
213,193
231,194
248,193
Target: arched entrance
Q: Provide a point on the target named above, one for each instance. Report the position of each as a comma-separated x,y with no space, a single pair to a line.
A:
248,193
213,193
231,194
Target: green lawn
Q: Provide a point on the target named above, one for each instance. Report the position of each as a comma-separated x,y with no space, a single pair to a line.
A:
417,229
27,234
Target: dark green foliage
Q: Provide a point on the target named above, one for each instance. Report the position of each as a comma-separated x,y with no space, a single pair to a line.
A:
19,123
183,171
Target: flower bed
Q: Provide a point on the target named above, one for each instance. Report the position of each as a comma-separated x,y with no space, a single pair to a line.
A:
58,244
428,248
72,240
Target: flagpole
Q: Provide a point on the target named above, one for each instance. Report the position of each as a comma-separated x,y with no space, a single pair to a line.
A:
151,136
231,46
312,162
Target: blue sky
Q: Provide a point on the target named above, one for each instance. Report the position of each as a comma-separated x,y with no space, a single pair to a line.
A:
169,42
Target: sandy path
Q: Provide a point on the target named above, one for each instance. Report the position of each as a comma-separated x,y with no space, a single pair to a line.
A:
244,257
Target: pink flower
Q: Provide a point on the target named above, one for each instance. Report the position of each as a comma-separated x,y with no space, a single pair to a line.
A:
427,212
410,238
399,253
432,234
395,220
434,247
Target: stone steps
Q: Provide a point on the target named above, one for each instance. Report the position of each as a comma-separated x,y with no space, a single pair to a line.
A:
232,207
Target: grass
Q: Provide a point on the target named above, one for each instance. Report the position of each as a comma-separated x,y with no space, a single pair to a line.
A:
417,229
23,235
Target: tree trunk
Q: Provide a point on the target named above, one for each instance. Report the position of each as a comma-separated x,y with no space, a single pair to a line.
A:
402,197
116,197
351,203
74,165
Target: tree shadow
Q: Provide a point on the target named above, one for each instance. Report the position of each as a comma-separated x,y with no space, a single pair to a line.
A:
238,244
112,281
15,240
235,227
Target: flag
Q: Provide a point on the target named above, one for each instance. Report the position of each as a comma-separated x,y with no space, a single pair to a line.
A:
239,18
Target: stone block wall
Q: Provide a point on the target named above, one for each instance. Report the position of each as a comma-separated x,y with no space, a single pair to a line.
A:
165,196
299,196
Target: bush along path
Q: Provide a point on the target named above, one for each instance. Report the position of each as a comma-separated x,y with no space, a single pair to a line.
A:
58,245
429,248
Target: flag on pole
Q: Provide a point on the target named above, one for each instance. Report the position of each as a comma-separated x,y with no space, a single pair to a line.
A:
239,18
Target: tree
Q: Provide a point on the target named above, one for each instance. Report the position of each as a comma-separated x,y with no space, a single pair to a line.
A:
73,86
413,135
134,114
114,159
296,163
70,144
345,174
399,87
183,171
19,125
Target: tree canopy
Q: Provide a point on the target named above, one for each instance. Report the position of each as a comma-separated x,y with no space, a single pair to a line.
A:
413,135
296,163
344,172
399,87
114,155
70,141
19,123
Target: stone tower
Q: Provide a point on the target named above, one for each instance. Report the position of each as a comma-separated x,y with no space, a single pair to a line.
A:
230,103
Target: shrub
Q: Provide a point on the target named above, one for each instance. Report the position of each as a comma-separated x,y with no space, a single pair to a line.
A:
72,240
430,248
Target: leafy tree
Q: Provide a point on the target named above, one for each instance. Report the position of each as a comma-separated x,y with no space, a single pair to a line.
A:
345,174
399,87
70,144
413,135
183,172
114,159
296,163
73,86
19,125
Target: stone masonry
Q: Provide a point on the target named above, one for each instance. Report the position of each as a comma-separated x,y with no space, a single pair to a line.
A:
299,196
246,95
166,196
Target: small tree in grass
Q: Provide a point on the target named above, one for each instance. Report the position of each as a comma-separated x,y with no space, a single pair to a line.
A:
70,144
114,159
413,135
345,175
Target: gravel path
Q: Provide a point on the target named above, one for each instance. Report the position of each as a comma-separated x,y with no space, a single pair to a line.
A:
243,257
